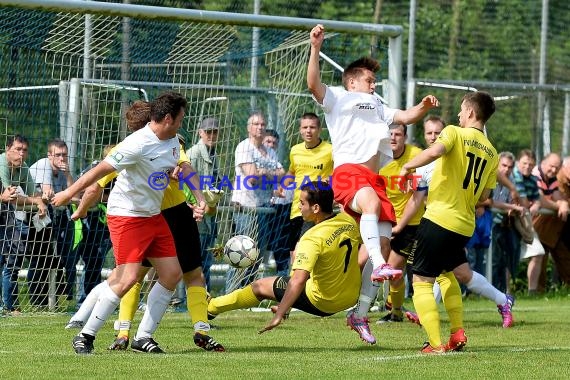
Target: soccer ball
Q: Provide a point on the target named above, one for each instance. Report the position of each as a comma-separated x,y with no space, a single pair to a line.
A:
240,251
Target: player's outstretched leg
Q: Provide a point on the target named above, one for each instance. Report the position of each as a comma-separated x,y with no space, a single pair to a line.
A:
506,311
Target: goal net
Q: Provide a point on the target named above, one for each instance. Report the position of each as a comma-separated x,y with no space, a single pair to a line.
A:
72,76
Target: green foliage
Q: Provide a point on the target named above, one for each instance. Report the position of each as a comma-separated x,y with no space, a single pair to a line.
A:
303,347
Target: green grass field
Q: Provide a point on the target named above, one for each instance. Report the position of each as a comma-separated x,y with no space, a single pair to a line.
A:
38,347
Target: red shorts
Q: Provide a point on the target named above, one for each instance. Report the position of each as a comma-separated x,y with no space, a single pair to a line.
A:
347,179
136,238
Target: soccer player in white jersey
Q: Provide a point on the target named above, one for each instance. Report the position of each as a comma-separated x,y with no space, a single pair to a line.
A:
138,230
358,125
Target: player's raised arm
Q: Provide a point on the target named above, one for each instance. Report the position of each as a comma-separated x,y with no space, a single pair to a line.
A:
314,83
415,113
428,155
63,197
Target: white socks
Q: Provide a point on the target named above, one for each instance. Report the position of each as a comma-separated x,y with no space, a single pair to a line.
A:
157,302
480,285
371,238
368,291
105,306
89,303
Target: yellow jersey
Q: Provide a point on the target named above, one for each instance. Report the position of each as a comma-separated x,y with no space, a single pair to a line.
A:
329,252
308,165
391,173
467,168
173,196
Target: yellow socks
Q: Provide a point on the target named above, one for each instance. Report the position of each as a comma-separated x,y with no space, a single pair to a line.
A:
127,309
425,305
238,299
451,296
198,308
397,294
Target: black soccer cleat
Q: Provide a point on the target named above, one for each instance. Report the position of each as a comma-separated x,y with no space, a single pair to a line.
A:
146,345
83,344
207,343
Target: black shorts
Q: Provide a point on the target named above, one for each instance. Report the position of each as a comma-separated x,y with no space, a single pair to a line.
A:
297,227
402,243
302,303
184,230
437,250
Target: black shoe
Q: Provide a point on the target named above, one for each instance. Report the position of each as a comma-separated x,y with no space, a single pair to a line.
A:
121,343
146,345
211,316
207,343
390,317
83,343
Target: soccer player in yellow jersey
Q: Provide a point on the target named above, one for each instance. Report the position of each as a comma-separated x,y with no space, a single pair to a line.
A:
187,243
465,174
326,276
475,282
402,241
310,161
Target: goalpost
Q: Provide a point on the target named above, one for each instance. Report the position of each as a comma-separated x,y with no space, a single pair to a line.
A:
102,56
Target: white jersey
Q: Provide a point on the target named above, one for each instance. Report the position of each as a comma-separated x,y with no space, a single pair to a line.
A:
42,174
358,126
424,174
144,163
254,195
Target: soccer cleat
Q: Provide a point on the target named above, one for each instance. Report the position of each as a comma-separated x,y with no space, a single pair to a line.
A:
457,341
83,343
412,317
121,343
207,343
74,325
146,345
385,272
506,311
428,349
390,317
360,325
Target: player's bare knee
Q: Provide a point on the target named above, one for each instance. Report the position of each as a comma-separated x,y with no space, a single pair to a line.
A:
463,273
194,277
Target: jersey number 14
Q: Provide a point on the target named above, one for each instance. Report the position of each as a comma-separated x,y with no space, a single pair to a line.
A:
475,170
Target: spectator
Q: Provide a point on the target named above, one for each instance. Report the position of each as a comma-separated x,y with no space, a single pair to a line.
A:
550,227
279,221
51,175
505,238
95,240
204,160
19,235
527,187
479,243
257,173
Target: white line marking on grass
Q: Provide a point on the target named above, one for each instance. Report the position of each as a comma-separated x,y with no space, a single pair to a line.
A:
528,349
419,355
411,356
